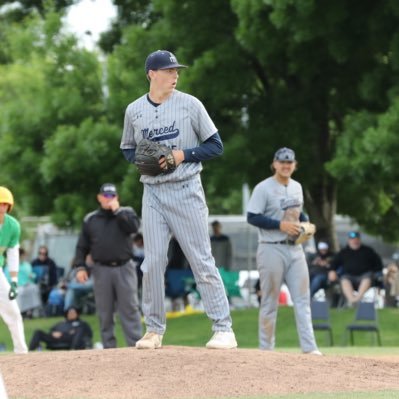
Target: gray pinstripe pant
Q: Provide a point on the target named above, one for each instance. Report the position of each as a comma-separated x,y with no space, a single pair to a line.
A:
179,208
278,263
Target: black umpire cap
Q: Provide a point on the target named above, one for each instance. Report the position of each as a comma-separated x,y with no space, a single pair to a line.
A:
108,189
161,59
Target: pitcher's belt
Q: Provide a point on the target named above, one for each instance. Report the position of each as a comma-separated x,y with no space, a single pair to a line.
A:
286,242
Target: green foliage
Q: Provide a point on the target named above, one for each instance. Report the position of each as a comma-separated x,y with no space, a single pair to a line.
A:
130,12
23,8
126,77
320,77
71,155
364,163
53,124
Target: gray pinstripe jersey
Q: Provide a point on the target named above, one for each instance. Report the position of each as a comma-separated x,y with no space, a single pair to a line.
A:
180,122
276,201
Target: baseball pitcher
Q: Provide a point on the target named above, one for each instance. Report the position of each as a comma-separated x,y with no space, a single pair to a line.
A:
167,134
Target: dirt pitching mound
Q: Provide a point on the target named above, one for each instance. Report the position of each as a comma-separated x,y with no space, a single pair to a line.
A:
183,372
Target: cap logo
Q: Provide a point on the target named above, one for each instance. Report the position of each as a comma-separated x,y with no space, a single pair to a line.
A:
173,59
284,155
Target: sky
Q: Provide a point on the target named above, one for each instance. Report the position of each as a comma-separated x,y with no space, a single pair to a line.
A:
90,15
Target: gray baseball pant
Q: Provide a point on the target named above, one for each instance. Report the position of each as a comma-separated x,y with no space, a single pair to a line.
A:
179,208
115,289
279,263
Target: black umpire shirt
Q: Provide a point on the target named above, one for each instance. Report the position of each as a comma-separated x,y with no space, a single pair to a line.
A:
107,236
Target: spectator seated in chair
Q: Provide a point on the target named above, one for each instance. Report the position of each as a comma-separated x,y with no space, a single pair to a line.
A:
319,266
72,333
77,293
360,265
55,300
177,273
391,285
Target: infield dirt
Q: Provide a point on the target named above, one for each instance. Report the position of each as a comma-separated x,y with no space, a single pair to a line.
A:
185,372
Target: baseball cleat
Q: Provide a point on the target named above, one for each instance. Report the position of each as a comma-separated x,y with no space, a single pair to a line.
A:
315,352
151,340
222,340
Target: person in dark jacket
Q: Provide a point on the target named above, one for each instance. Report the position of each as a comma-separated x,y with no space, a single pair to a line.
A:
221,247
107,236
358,264
46,272
138,256
72,333
319,266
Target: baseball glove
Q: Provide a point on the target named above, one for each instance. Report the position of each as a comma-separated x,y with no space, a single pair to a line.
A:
307,231
148,154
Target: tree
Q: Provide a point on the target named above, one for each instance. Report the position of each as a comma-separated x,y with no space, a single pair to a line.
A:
280,73
366,167
129,12
17,11
320,77
57,146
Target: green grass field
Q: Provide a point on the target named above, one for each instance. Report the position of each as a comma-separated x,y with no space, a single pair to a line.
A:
195,330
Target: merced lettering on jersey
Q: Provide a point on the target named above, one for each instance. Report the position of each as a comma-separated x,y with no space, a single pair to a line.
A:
161,134
290,202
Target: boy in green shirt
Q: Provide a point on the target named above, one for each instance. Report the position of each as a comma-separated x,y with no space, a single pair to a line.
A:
10,232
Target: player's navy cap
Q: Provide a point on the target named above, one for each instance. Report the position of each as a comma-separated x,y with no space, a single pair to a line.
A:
285,155
354,234
161,59
108,189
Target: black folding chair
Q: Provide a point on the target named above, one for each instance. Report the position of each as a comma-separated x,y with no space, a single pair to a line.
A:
321,318
365,321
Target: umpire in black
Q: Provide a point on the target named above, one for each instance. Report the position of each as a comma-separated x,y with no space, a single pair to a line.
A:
107,236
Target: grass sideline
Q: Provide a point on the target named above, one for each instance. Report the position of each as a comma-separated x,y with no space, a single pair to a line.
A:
195,330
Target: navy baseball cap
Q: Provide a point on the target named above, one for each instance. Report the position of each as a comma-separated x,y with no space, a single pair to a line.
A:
284,155
161,59
108,189
354,234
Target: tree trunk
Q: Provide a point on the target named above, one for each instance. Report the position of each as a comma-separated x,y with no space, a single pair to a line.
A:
321,205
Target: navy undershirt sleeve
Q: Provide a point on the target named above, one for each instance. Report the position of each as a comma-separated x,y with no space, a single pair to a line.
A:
209,149
303,217
129,154
262,221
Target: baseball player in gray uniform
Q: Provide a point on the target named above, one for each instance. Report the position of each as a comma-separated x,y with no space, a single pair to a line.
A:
275,207
174,203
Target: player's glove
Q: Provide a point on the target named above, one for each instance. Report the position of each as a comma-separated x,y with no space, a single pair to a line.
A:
13,293
307,231
148,154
